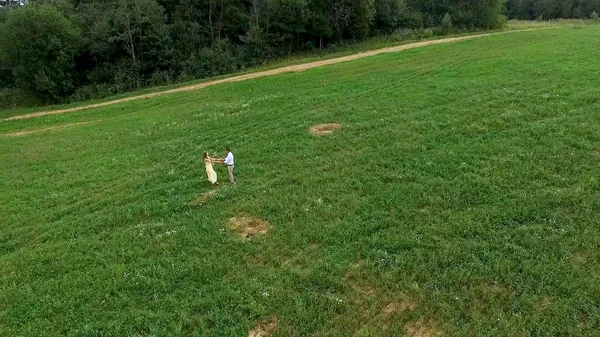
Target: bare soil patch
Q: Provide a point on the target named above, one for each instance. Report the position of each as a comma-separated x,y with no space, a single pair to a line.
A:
402,306
544,303
58,127
422,328
324,129
264,328
366,289
354,268
389,310
292,68
246,227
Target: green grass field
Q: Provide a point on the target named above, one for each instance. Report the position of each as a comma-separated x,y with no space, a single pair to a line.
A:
461,197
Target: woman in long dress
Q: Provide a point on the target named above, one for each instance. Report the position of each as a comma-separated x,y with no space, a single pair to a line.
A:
210,172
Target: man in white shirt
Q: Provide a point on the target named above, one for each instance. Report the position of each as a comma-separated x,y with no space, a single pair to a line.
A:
229,162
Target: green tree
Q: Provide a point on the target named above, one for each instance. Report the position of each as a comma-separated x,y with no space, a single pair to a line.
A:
40,45
389,14
138,27
256,47
319,23
447,24
471,14
594,16
6,79
137,24
288,19
351,19
363,13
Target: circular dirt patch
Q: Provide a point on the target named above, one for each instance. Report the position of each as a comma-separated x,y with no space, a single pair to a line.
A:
265,328
422,328
246,227
324,129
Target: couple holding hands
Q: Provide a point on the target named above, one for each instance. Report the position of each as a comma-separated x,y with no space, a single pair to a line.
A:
210,172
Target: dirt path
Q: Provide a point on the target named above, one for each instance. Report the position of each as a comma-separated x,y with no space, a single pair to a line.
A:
292,68
59,127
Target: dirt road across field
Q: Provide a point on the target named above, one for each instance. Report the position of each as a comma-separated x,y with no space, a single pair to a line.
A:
292,68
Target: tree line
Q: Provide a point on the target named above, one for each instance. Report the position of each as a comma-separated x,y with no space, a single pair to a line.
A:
552,9
79,49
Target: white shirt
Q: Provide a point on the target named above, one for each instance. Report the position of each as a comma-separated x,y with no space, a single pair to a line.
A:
229,159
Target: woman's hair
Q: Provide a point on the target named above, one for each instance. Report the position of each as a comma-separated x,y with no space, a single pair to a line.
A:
205,154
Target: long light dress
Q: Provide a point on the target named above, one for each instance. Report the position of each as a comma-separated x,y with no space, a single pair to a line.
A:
210,172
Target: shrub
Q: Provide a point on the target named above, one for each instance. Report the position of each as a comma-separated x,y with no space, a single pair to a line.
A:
256,47
403,34
208,62
94,91
428,33
127,74
13,97
470,15
447,24
411,19
387,14
160,77
594,16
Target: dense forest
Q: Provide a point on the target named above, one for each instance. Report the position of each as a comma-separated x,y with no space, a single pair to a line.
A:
57,50
552,9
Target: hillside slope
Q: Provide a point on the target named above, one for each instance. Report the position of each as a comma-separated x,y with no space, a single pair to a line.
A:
459,197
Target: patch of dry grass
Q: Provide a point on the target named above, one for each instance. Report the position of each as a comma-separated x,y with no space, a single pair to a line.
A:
246,227
324,129
264,328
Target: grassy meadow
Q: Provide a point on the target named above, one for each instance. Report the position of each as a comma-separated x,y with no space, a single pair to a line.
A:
460,197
